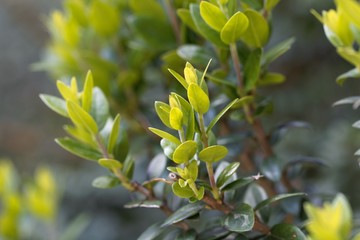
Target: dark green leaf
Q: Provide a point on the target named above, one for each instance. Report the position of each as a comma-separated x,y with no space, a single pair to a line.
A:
282,129
183,213
144,204
241,219
204,29
188,235
106,182
121,148
128,168
277,198
151,232
227,173
239,183
56,104
214,233
79,149
252,69
277,51
99,107
156,166
284,231
195,54
271,168
219,115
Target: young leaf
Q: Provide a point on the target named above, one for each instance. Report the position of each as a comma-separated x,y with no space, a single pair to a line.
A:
277,198
190,74
183,213
178,77
252,69
182,192
190,131
185,152
165,135
242,219
79,148
234,28
212,15
66,91
105,182
219,115
163,111
213,153
198,99
114,134
99,107
87,92
227,173
56,104
176,118
109,163
204,29
257,34
81,118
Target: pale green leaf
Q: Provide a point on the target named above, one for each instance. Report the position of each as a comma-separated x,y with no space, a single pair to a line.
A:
165,135
185,152
198,99
182,192
56,104
257,34
185,16
109,163
212,15
234,28
78,148
213,153
87,92
81,118
105,182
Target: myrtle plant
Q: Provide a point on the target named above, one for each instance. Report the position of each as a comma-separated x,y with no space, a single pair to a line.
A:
218,175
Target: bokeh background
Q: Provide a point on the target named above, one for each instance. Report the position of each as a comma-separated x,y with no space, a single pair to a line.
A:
27,127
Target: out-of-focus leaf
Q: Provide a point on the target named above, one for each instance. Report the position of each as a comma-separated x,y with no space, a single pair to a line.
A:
204,29
239,183
271,168
109,163
151,8
277,198
188,235
114,134
278,50
128,169
195,54
105,182
270,4
349,100
255,4
213,153
353,73
79,149
75,227
234,28
87,92
183,213
104,18
219,115
227,173
252,69
241,219
156,166
185,16
56,104
282,129
168,147
99,107
165,135
212,15
286,231
213,233
151,232
270,79
144,204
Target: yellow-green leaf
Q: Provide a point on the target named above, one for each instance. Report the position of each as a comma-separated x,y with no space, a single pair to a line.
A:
114,133
109,163
257,34
165,135
87,92
56,104
81,118
212,15
176,118
234,28
163,111
66,91
178,77
190,74
185,152
351,9
198,99
213,153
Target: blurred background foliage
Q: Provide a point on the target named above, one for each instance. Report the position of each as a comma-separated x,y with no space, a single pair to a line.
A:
27,127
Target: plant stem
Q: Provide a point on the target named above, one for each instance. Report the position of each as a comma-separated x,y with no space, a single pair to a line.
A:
173,20
182,135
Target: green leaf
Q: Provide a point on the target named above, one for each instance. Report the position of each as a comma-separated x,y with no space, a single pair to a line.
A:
66,92
234,28
185,152
128,169
212,15
163,111
56,104
165,135
104,18
198,99
178,77
252,69
271,168
183,213
147,8
257,34
286,232
144,204
195,54
151,232
81,118
190,131
239,183
114,134
168,147
156,166
182,192
227,173
99,107
78,148
219,115
254,195
352,10
105,182
353,73
243,101
185,16
270,79
270,4
176,118
277,50
121,147
213,153
204,29
87,92
188,235
277,198
109,163
241,219
350,55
